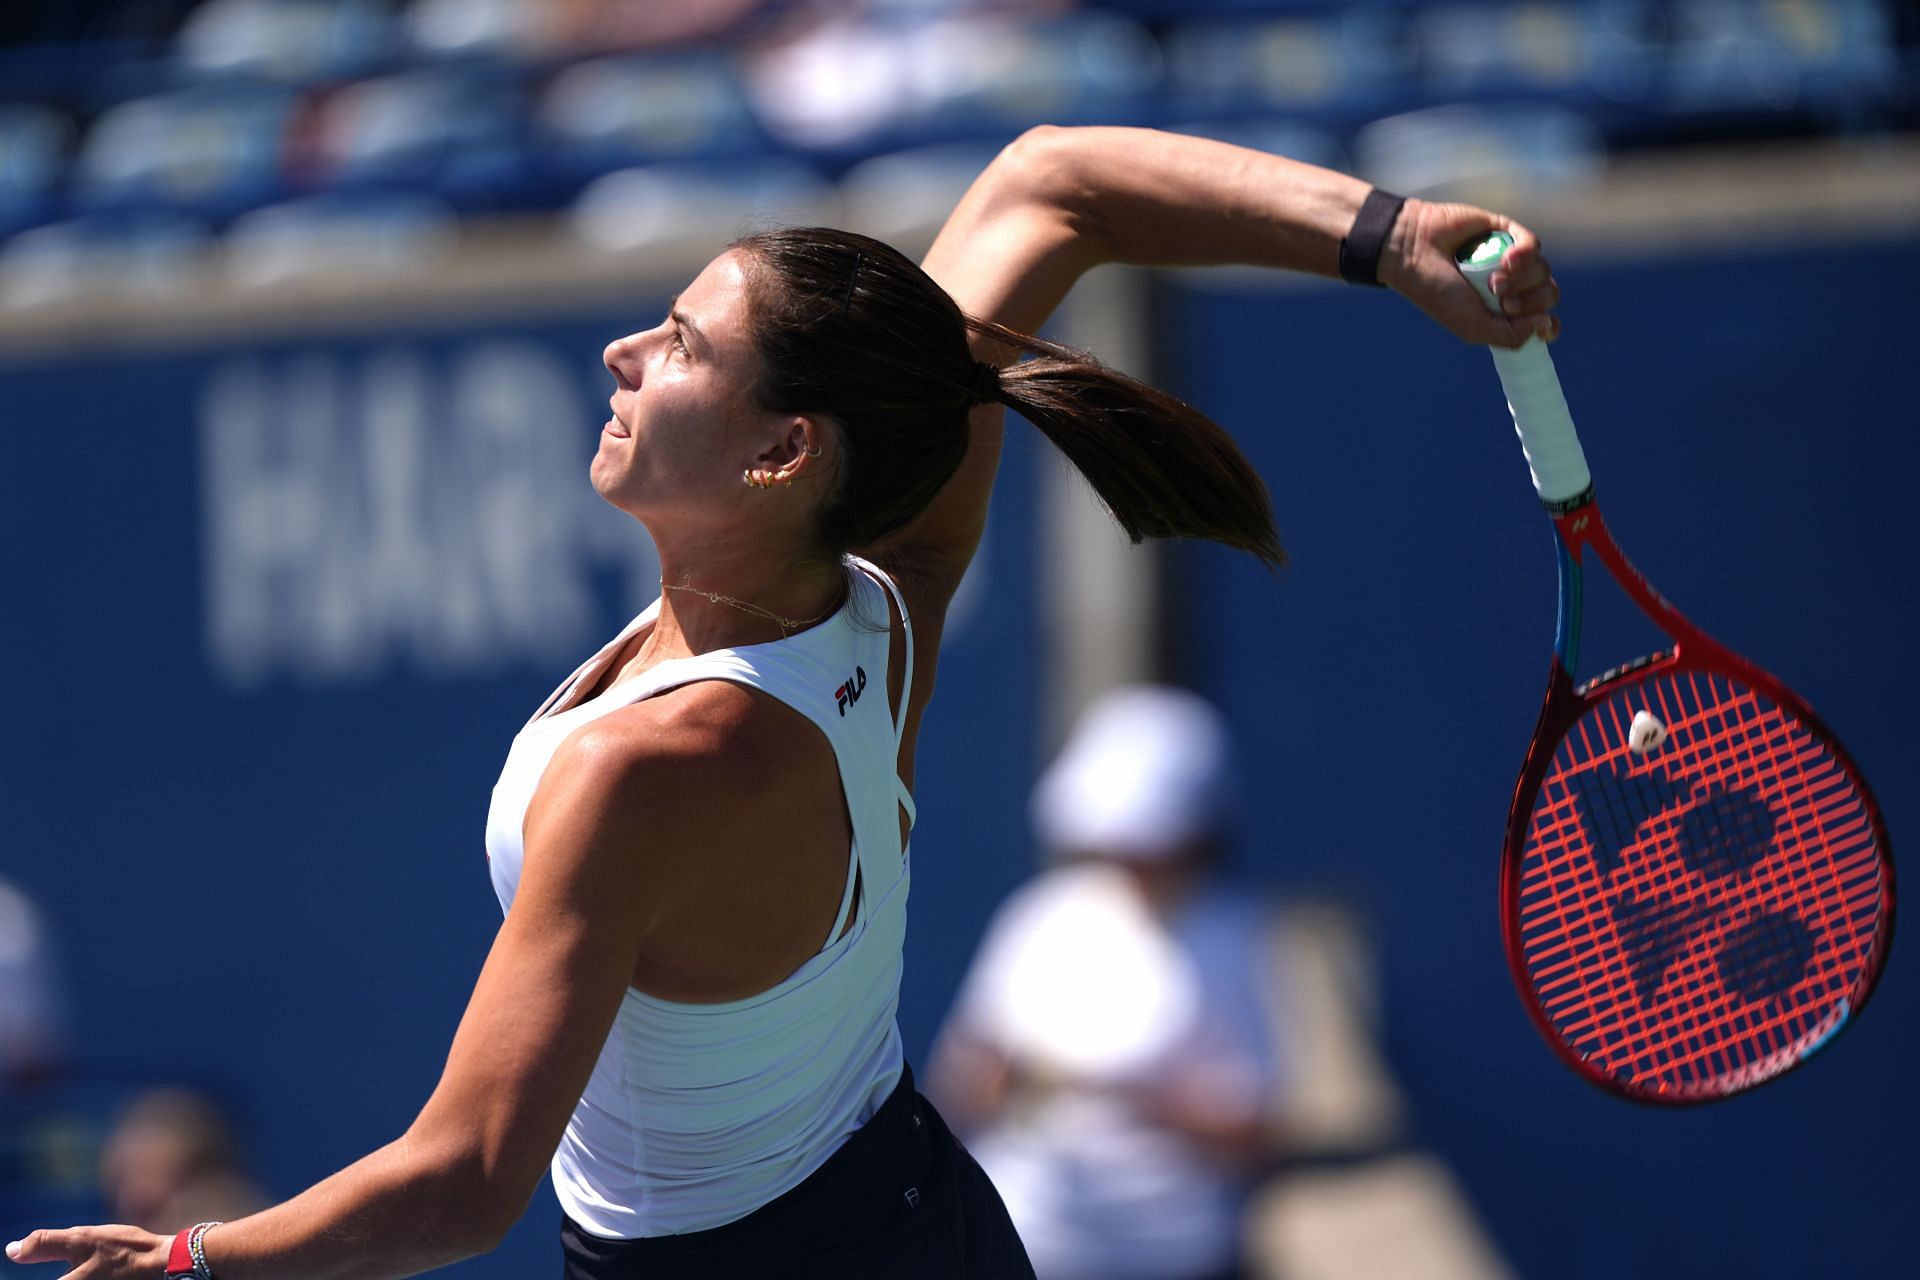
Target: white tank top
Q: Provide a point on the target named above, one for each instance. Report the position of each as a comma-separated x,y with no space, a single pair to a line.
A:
698,1114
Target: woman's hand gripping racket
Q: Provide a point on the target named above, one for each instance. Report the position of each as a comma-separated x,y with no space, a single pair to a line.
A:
1696,890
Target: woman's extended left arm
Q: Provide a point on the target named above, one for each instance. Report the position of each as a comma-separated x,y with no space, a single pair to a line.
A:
464,1171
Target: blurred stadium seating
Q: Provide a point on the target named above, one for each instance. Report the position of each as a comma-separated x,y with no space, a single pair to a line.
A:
316,122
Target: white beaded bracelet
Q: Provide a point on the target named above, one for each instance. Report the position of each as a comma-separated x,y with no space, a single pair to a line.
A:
201,1270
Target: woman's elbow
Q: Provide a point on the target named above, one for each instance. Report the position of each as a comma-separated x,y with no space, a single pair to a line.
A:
469,1203
1046,166
490,1208
503,1209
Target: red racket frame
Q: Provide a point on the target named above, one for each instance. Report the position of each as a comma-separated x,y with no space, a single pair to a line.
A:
1583,529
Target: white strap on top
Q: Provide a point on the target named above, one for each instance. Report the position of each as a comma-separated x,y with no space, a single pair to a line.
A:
905,797
596,664
846,904
880,575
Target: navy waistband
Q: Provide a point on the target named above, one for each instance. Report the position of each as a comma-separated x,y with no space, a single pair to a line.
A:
854,1188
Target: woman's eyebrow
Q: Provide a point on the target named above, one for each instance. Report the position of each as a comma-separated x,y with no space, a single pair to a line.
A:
685,321
687,325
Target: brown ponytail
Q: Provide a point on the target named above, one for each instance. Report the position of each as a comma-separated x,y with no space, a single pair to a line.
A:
1163,468
850,328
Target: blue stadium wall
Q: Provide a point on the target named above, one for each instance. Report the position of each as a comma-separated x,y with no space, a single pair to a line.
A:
1751,428
274,609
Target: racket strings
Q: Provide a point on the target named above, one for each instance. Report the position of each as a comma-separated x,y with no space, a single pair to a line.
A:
1702,912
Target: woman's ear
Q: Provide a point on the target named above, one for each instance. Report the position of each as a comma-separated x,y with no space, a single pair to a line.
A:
797,451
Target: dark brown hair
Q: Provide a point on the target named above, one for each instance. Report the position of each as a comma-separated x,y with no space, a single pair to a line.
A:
849,328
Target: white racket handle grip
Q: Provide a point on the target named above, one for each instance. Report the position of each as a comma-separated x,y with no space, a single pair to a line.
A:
1539,408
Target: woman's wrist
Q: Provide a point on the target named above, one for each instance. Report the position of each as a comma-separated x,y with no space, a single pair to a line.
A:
1398,251
187,1258
1365,243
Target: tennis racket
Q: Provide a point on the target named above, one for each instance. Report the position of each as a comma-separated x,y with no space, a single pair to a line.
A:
1696,889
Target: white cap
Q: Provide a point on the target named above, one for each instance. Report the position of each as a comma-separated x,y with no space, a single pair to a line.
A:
1148,771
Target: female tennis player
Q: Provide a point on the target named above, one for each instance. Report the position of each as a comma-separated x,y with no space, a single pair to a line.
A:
700,841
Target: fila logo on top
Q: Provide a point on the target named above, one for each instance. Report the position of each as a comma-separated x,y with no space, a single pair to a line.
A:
849,693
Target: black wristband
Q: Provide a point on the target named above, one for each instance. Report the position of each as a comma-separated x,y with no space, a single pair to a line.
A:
1360,248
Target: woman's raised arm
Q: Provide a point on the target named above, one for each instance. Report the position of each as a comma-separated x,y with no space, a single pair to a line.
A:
1058,202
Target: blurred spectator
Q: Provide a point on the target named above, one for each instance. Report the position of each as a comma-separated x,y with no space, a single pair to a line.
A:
640,24
31,1017
533,27
833,74
172,1161
1111,1055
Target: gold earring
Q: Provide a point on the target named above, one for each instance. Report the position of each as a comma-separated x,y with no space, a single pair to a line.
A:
747,476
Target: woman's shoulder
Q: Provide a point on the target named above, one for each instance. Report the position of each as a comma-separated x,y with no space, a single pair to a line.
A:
705,730
712,805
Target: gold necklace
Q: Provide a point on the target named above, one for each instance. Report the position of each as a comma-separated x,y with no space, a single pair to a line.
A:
787,625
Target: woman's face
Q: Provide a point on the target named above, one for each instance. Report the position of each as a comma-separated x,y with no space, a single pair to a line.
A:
684,424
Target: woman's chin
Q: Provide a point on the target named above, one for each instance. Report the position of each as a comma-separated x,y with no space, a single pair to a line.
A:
604,475
608,481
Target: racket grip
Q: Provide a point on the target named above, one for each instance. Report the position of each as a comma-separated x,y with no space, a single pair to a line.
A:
1539,407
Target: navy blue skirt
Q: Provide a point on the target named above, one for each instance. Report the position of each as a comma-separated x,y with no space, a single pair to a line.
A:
901,1200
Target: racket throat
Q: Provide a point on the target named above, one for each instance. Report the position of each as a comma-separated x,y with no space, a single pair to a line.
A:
1566,631
1581,530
